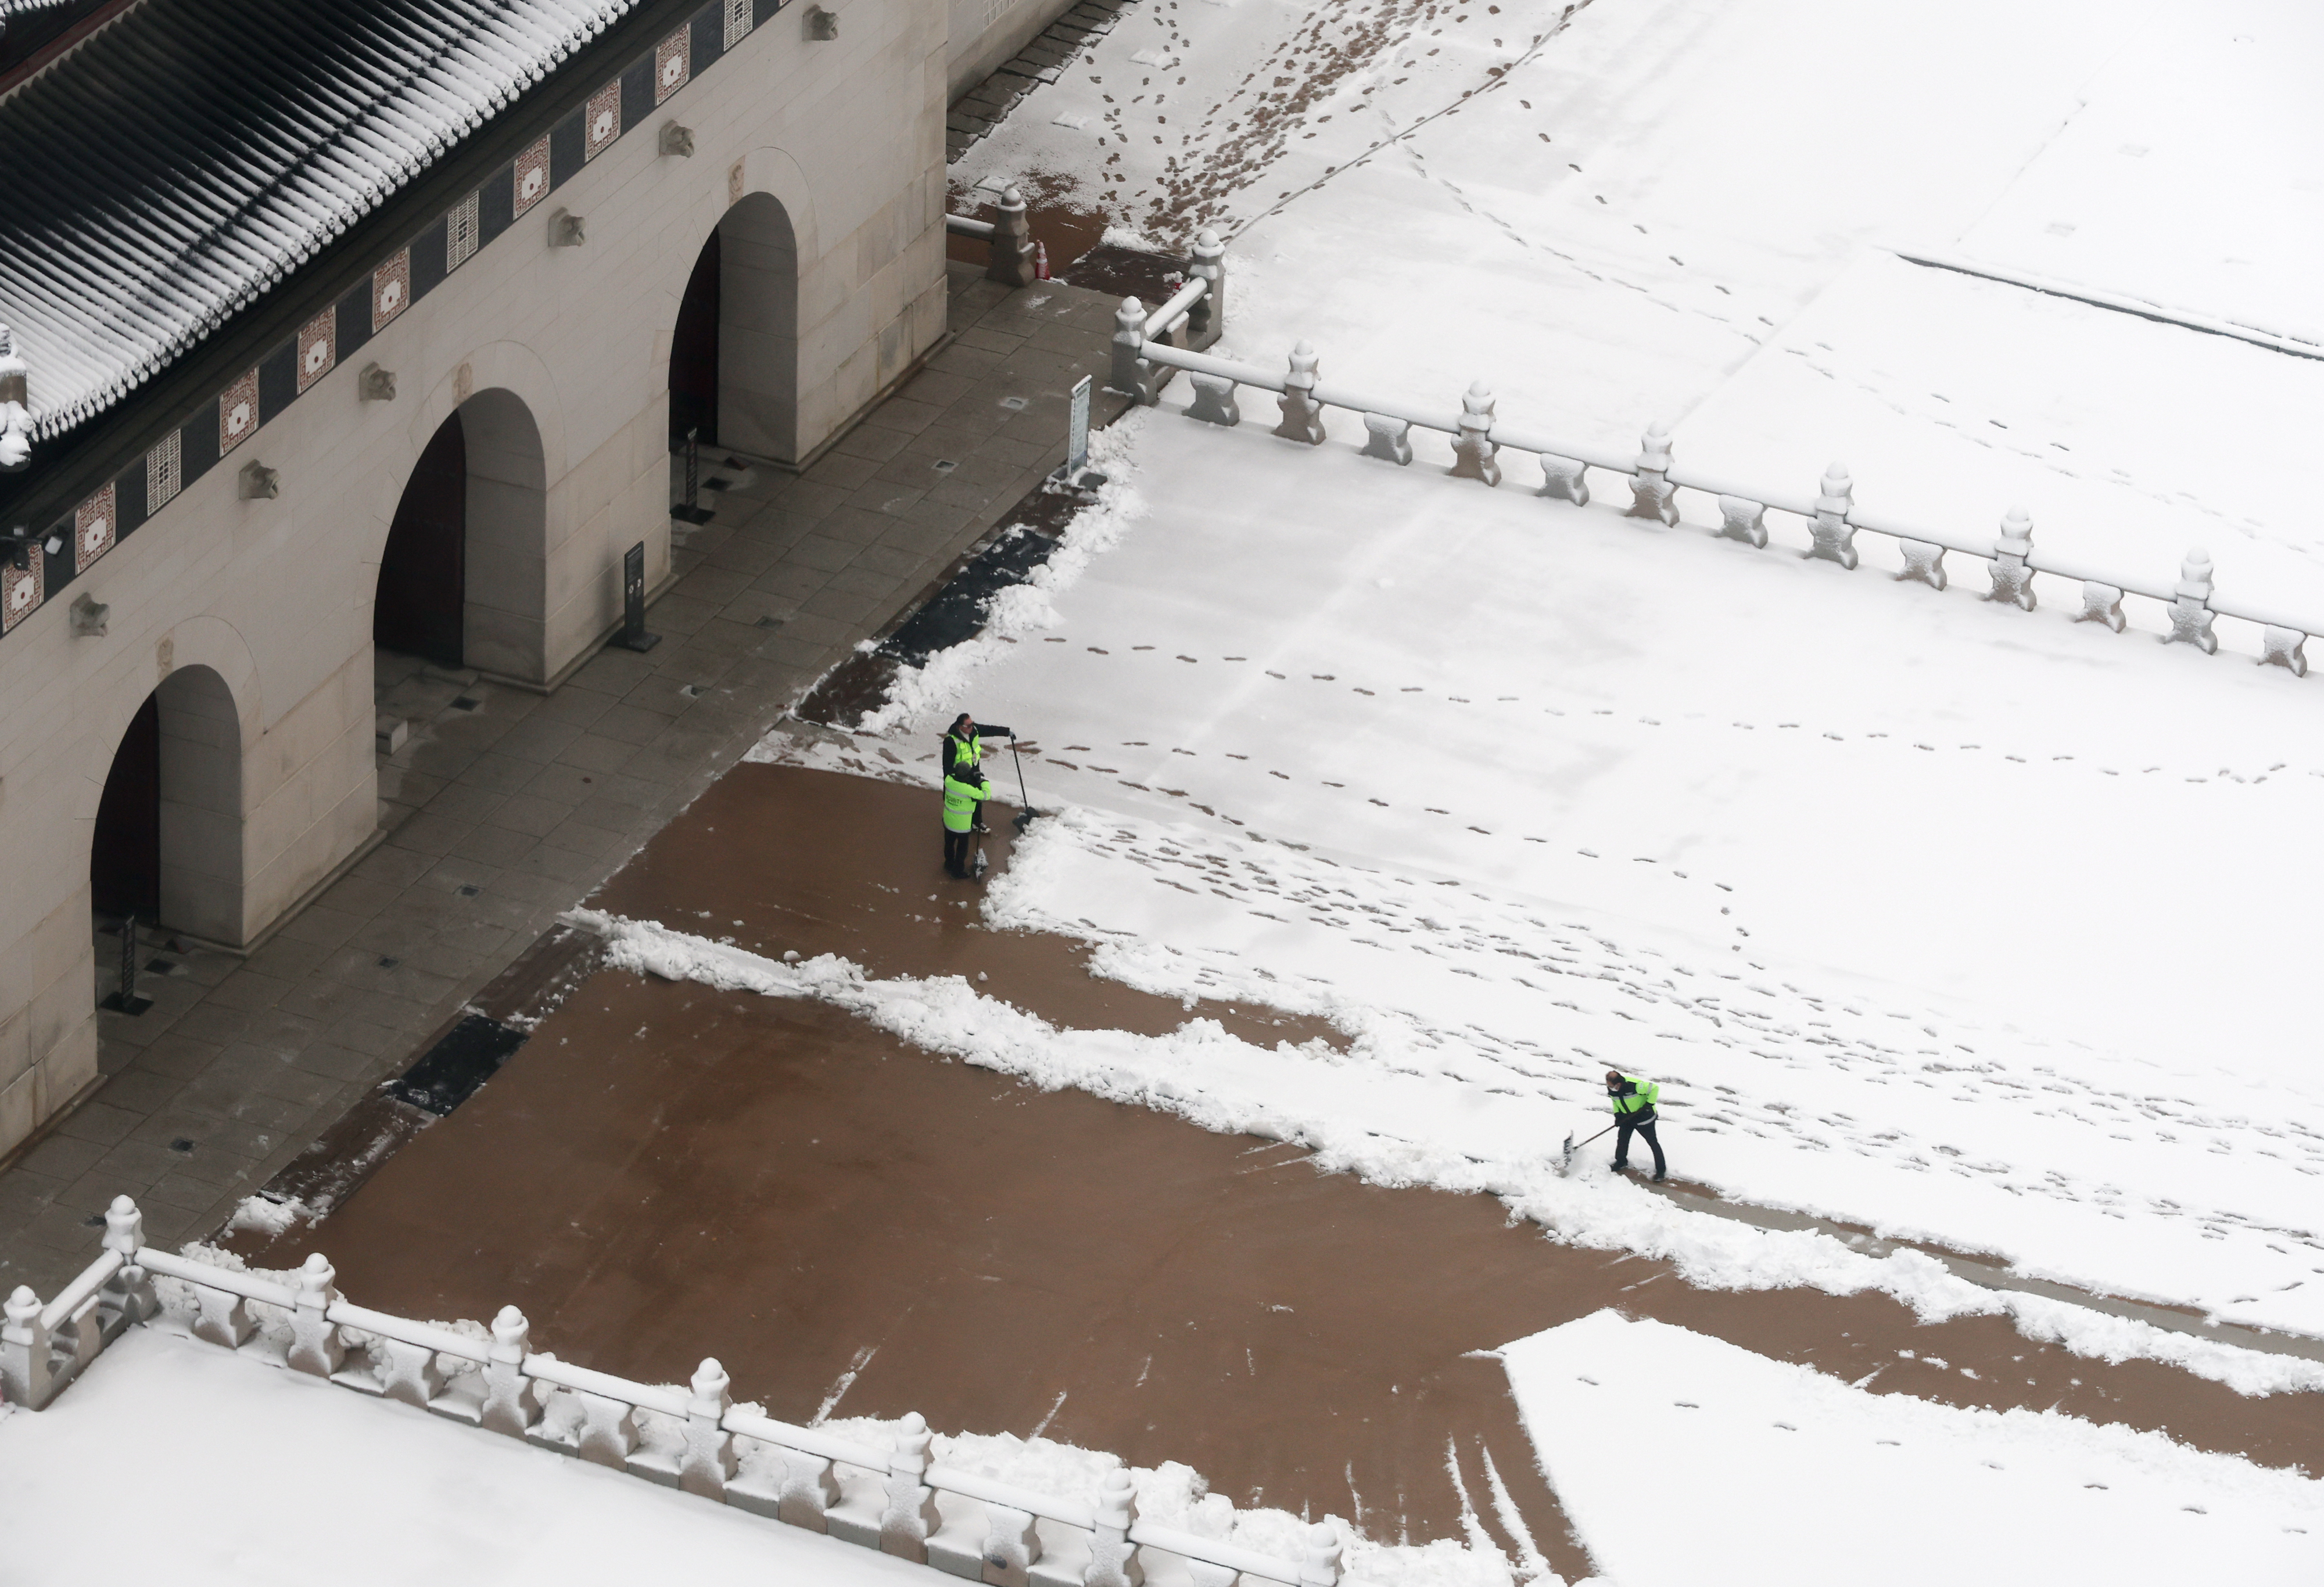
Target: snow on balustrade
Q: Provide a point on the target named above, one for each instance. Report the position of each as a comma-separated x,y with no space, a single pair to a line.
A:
894,1499
1143,361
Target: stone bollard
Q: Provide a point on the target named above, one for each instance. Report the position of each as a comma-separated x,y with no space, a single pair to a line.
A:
1302,416
1208,317
1740,520
1389,440
2013,573
1472,448
1215,399
1012,262
1319,1566
1564,480
25,1376
1923,562
131,1289
1834,535
1652,494
2284,646
1131,374
1113,1557
909,1517
512,1399
2191,611
315,1344
707,1464
2101,603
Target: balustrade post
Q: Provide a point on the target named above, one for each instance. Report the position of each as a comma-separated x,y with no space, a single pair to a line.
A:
1131,374
1387,438
407,1372
1652,494
2284,646
708,1462
132,1288
1472,448
512,1399
24,1374
315,1343
1011,259
1834,535
911,1515
1208,317
2101,603
1740,520
1113,1557
1215,399
1302,416
609,1429
2190,611
2012,575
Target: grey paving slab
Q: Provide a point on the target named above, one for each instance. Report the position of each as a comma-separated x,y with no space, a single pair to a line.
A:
508,810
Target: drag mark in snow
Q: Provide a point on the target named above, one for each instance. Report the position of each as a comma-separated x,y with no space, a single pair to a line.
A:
1530,1559
846,1382
1042,1425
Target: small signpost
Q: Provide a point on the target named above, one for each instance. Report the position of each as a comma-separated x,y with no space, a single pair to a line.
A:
691,511
633,635
1075,473
126,1001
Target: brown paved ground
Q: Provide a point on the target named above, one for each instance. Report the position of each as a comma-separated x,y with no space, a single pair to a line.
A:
665,1172
497,814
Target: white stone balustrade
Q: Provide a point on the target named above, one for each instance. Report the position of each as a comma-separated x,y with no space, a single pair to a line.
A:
695,1438
1831,517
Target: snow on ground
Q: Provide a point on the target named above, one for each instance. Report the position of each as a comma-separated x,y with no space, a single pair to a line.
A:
206,1468
194,1433
1634,210
1967,923
1681,1460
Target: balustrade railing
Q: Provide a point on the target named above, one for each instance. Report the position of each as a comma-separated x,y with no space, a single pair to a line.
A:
896,1499
1145,356
1010,234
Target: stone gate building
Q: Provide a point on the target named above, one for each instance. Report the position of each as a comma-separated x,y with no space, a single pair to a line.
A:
375,321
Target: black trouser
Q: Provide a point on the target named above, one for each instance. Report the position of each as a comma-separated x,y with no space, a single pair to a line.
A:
1622,1144
957,851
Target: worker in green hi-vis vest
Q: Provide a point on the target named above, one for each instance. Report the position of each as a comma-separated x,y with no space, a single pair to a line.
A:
964,788
1633,1111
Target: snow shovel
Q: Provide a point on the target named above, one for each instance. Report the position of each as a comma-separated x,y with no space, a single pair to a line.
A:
1024,816
977,863
1566,1162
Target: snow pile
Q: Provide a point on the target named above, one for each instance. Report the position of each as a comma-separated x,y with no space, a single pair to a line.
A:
1683,1459
1396,1125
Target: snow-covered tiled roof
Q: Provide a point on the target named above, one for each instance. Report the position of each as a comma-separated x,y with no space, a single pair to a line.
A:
160,177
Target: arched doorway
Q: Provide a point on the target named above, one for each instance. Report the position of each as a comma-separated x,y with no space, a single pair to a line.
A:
463,576
734,356
167,844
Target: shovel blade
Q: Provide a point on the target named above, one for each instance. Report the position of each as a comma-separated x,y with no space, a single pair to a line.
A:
1022,821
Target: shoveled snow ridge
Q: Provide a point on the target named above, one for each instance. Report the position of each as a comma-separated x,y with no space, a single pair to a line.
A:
1218,1082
